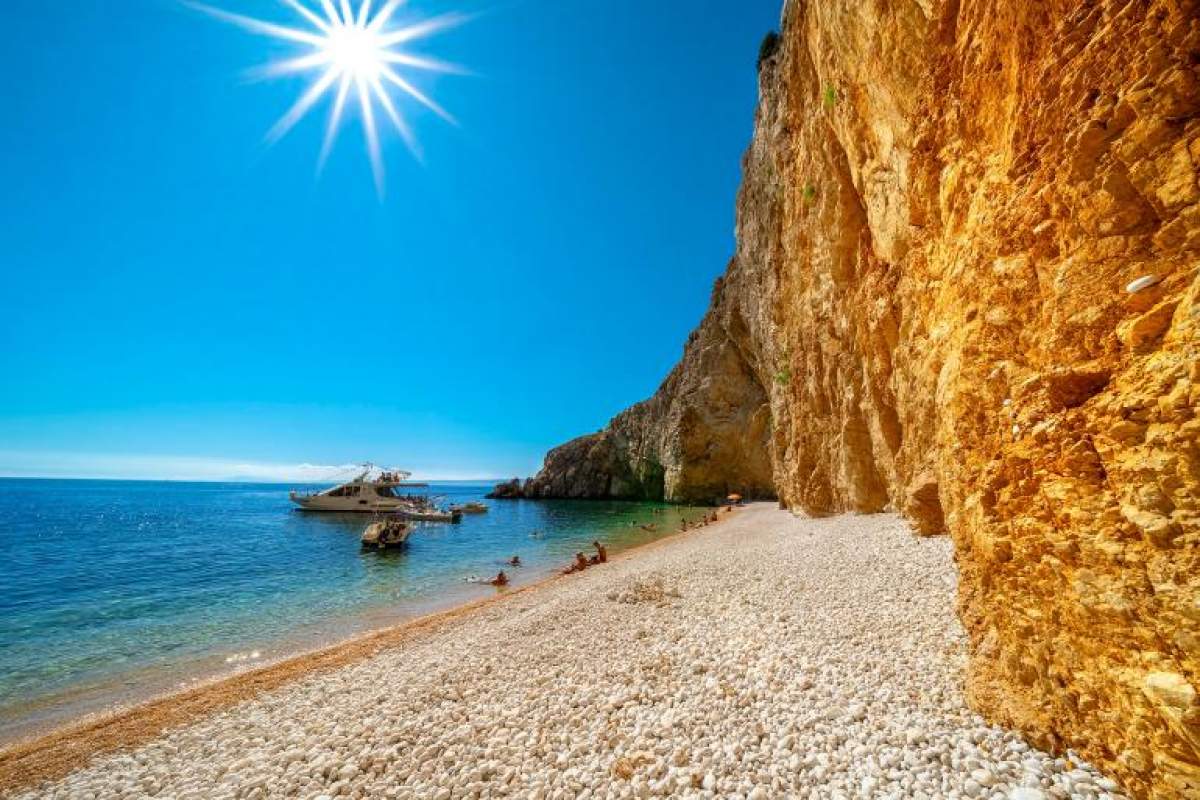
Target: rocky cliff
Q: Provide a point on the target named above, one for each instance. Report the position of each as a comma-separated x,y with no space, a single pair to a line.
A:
703,435
966,287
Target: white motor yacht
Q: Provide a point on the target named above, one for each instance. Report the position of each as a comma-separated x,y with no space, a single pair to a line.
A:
371,491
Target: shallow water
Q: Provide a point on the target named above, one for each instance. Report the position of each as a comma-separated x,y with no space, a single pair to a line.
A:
114,590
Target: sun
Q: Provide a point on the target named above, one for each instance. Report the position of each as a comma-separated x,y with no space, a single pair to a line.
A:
356,56
356,51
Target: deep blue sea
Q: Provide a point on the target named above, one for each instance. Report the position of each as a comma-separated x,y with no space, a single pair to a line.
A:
111,591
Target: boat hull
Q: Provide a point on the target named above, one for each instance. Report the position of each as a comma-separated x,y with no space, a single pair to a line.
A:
346,504
361,497
430,516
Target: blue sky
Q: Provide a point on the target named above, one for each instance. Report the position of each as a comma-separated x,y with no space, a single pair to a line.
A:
183,301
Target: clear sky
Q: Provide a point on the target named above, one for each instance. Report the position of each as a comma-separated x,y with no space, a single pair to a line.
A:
181,300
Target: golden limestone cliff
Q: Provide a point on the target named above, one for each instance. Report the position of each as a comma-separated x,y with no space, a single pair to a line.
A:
944,206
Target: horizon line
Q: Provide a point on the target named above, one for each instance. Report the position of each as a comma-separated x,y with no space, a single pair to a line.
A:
251,480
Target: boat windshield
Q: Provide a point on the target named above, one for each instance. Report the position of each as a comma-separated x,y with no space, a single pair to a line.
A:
384,491
345,491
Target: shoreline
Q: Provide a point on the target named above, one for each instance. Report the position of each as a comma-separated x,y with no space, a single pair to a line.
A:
772,656
51,753
122,691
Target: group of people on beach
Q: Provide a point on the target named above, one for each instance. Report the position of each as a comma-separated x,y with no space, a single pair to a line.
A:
686,524
582,562
707,519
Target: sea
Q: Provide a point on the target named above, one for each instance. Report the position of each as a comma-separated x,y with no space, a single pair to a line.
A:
112,592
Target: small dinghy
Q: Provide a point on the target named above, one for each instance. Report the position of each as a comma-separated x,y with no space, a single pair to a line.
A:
470,508
385,534
430,515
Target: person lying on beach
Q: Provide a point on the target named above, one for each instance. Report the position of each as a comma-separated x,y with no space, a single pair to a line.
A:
601,553
500,580
515,561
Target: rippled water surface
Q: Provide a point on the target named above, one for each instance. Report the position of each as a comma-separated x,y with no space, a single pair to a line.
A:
111,590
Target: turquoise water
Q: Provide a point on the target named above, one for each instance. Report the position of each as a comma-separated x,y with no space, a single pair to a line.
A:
113,590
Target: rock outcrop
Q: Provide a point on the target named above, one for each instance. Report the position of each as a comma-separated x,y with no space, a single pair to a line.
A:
508,490
703,435
945,207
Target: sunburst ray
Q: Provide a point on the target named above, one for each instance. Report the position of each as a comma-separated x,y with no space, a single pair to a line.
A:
369,132
335,119
427,64
363,12
290,66
402,127
352,47
301,106
307,13
331,12
417,95
258,26
422,29
385,14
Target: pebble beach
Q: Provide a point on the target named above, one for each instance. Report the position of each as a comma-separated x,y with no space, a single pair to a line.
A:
762,656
